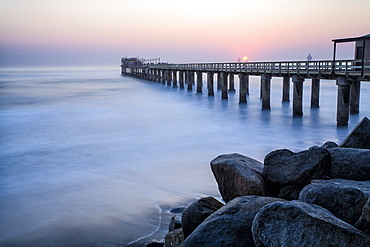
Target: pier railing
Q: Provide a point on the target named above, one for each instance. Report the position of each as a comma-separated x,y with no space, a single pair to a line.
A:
324,69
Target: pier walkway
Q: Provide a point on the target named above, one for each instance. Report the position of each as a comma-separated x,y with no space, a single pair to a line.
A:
348,75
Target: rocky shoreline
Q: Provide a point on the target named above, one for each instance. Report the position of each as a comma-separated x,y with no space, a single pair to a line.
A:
316,197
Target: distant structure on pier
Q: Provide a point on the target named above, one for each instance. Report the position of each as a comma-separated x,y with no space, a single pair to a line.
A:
347,73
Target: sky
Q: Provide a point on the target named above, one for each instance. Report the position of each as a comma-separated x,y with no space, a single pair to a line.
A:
100,32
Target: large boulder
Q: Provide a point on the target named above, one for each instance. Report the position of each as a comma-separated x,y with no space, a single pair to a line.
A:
359,136
364,186
284,167
197,212
238,175
174,238
297,223
230,225
350,163
346,203
364,222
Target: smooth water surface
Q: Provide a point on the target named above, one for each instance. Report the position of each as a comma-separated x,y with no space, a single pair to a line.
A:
92,158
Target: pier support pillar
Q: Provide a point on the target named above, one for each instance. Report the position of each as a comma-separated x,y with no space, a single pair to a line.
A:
174,78
163,77
181,79
315,93
223,77
190,80
219,81
210,84
265,91
297,95
343,101
286,88
243,86
169,78
354,100
231,83
199,81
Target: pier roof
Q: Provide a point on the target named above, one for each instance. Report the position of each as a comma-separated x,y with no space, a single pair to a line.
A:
343,40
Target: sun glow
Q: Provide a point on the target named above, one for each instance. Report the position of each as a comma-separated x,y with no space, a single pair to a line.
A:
245,58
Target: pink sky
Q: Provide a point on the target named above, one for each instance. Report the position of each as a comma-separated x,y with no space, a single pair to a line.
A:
69,32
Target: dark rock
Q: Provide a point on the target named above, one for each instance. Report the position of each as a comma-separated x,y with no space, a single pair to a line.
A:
290,192
350,163
359,136
329,144
238,175
197,212
344,202
155,243
284,167
230,225
175,222
297,223
177,210
364,222
364,186
174,238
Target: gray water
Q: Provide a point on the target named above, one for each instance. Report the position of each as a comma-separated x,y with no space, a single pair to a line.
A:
92,158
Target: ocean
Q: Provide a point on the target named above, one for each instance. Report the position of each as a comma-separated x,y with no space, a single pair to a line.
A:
92,158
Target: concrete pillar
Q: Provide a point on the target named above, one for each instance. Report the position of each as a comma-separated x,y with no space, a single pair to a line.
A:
265,91
297,95
219,81
343,101
223,77
231,83
210,83
286,88
163,76
181,79
315,93
174,78
169,77
243,85
199,81
354,99
190,80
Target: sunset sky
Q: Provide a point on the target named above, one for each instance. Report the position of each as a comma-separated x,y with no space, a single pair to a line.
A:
100,32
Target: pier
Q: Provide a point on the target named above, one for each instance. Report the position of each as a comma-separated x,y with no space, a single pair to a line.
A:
348,75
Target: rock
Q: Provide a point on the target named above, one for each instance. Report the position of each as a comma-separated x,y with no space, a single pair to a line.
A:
155,243
329,144
290,192
364,222
344,202
177,210
284,167
359,136
230,225
297,223
174,238
175,222
238,175
197,212
350,163
364,186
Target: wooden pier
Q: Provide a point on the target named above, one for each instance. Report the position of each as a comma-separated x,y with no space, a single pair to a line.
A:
348,75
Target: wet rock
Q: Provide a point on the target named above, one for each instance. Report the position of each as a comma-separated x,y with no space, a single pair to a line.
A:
359,136
175,222
284,167
344,202
330,144
364,222
197,212
364,186
290,192
297,223
350,163
174,238
230,225
238,175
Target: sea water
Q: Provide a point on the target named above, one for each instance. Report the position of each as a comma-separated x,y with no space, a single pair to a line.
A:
92,158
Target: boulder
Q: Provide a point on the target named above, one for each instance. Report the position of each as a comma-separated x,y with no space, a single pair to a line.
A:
329,144
238,175
350,163
175,222
297,223
290,192
344,202
364,186
230,225
174,238
359,137
364,222
197,212
284,167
